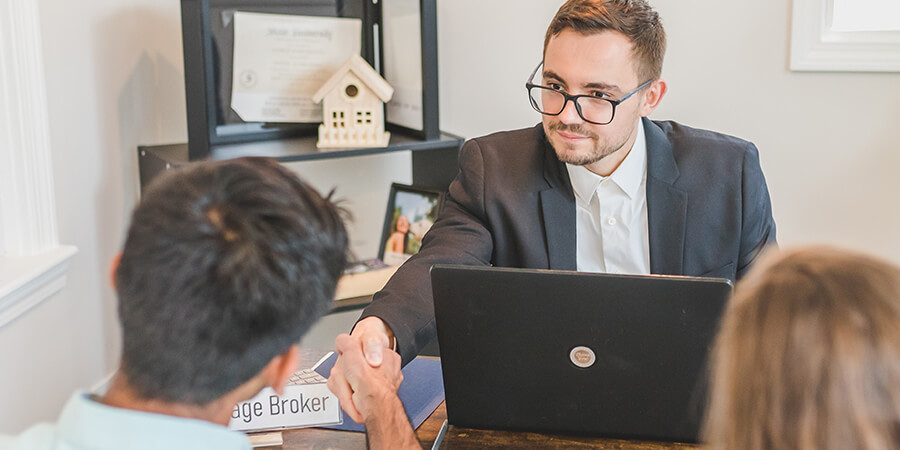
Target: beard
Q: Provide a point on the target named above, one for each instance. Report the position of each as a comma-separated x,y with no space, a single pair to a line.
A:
568,152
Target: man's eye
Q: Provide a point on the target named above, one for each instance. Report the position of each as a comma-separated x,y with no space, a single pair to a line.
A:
599,94
555,86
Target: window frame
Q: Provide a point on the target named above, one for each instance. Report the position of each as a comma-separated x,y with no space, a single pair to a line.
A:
815,47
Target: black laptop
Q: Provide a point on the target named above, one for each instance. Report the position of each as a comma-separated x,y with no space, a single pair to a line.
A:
576,353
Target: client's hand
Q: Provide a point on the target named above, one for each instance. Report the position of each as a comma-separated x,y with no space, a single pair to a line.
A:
374,395
373,337
372,387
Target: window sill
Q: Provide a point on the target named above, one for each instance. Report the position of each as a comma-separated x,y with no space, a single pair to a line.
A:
26,281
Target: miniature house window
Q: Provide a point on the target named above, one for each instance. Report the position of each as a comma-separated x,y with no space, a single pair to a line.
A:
337,119
351,90
364,117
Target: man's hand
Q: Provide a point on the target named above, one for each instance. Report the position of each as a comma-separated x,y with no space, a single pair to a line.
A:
374,338
371,386
374,395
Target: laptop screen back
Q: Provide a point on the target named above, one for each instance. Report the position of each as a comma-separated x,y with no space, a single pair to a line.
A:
568,352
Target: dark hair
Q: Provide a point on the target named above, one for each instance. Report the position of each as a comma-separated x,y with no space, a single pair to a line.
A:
633,18
226,265
809,355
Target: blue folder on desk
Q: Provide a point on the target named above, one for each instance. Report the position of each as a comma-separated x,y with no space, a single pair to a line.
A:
421,392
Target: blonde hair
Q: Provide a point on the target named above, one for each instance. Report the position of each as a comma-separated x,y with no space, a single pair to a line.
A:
808,356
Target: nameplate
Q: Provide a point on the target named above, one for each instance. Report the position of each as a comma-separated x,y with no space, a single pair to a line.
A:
302,405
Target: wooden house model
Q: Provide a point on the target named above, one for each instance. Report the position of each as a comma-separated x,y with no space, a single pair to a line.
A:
353,107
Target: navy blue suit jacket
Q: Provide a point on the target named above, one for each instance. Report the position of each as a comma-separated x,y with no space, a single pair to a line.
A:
512,205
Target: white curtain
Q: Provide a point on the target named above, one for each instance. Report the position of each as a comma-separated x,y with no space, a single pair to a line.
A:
27,208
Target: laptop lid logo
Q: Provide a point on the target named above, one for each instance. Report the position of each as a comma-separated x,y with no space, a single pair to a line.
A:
582,356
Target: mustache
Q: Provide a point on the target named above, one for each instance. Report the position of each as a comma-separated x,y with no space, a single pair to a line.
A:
574,129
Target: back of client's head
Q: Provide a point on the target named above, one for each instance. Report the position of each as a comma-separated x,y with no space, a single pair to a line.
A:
809,355
226,265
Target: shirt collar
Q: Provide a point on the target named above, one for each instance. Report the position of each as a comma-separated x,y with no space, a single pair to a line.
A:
628,176
92,424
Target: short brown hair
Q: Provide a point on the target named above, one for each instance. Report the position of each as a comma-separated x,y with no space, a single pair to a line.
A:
633,18
809,355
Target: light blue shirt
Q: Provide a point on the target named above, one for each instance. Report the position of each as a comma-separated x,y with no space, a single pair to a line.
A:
89,424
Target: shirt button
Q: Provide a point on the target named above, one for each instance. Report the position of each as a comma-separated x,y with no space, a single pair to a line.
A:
611,221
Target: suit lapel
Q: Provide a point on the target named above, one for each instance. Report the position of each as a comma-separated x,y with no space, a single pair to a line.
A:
666,208
558,212
666,205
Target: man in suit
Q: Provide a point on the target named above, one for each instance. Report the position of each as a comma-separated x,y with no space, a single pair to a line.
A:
595,187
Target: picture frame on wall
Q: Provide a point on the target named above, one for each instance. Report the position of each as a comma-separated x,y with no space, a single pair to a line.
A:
411,211
408,61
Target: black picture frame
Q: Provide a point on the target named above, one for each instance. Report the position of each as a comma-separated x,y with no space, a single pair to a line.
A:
428,60
408,200
206,40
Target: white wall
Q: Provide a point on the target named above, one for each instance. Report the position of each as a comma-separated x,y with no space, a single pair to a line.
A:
486,49
114,80
45,355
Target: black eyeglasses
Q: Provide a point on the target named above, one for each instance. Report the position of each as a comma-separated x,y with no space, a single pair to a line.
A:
552,102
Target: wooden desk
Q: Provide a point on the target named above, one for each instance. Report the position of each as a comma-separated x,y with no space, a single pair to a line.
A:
465,438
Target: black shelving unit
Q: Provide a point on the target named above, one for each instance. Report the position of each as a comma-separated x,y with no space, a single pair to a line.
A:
434,162
207,40
213,133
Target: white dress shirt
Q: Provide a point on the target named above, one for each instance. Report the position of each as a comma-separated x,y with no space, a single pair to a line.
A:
611,215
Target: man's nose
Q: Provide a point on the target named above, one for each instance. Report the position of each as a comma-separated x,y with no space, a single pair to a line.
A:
569,114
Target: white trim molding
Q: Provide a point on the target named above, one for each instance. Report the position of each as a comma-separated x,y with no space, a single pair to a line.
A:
26,281
816,47
32,263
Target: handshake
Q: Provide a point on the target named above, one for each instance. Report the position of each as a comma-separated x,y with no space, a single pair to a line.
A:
365,378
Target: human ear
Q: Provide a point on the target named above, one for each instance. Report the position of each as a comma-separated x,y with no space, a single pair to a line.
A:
652,96
113,268
281,367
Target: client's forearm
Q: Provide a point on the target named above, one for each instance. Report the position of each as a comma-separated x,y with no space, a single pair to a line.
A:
388,428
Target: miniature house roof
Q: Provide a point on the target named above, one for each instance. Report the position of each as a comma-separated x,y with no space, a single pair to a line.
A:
365,72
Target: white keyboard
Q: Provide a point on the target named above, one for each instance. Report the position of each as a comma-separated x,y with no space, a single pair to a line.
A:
306,376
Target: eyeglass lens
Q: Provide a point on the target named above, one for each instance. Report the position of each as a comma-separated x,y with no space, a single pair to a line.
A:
549,101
